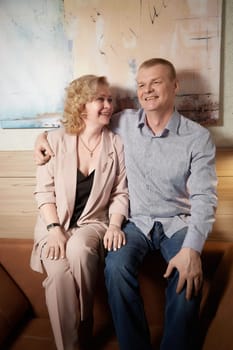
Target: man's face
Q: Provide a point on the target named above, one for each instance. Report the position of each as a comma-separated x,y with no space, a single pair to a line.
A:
156,89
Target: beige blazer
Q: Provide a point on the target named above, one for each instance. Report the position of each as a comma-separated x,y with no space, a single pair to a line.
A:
56,183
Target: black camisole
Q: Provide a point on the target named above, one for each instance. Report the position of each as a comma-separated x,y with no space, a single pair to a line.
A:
83,190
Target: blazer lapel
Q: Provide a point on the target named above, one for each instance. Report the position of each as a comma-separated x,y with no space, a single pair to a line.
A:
69,168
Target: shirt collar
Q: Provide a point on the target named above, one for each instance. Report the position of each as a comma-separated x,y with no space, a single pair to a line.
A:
174,122
172,125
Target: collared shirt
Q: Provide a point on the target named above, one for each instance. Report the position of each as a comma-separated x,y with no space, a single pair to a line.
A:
171,177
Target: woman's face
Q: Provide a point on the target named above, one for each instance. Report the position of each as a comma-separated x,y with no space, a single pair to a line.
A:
99,111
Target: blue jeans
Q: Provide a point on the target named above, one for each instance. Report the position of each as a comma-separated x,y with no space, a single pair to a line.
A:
121,277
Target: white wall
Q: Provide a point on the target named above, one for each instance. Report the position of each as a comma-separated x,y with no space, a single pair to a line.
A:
18,139
23,139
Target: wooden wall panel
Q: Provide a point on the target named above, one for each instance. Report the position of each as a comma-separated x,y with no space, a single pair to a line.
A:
223,226
17,205
18,208
224,162
17,164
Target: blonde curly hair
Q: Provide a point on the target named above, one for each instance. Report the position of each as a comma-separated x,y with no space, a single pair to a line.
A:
78,93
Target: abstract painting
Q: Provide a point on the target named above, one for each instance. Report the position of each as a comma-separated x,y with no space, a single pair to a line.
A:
48,43
113,38
36,63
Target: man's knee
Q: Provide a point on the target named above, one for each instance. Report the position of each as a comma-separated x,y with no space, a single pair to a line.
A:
114,265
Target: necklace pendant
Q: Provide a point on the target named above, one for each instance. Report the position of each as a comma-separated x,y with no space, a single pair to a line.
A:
91,151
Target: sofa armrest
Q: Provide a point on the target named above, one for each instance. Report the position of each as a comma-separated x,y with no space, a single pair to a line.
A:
15,257
14,306
220,306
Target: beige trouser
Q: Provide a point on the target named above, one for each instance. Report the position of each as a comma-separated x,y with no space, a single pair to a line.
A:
70,283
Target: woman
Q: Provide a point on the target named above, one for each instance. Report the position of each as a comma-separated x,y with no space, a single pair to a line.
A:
83,200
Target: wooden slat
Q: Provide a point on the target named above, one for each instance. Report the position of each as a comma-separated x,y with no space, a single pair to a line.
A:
223,228
17,164
16,196
17,226
225,207
225,195
17,204
18,209
21,163
224,161
225,187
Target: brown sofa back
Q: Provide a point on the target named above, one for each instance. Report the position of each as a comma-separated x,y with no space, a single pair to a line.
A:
23,293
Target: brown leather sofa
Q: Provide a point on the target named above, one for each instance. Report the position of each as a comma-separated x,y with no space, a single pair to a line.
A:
24,322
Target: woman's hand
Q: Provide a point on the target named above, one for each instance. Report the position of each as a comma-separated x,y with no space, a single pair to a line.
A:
42,149
56,244
114,238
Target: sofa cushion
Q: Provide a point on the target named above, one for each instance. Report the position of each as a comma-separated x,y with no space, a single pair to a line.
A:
35,335
14,307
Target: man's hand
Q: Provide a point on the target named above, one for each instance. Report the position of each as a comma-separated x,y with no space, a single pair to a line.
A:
42,150
114,238
188,264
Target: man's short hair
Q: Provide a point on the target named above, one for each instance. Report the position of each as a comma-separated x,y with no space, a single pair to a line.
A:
156,61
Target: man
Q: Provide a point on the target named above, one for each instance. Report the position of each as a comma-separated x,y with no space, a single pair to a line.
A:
170,164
